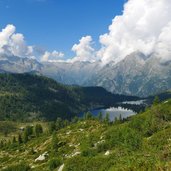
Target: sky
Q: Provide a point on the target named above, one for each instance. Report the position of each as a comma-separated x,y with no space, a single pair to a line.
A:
59,24
85,30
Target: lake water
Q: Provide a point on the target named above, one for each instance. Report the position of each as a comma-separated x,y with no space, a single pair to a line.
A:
114,112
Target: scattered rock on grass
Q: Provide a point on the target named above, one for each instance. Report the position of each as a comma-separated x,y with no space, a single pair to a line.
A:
107,153
61,167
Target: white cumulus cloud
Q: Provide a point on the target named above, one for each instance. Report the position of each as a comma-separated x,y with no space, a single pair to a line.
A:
84,50
145,26
52,56
13,44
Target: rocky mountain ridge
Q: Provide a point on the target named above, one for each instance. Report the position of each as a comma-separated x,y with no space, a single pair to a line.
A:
137,74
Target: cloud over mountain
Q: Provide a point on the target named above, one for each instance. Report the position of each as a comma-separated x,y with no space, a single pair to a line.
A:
84,50
144,26
51,56
13,44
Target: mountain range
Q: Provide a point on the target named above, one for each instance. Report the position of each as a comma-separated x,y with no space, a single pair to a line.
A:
137,74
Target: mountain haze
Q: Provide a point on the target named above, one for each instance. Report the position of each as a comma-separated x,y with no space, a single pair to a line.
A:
137,74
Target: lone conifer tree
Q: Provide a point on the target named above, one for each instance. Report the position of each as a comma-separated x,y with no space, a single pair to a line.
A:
156,100
14,140
54,144
38,130
19,139
107,118
100,117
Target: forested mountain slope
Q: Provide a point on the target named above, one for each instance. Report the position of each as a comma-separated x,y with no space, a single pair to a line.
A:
28,97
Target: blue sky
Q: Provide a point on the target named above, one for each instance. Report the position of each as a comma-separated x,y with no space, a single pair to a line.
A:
59,24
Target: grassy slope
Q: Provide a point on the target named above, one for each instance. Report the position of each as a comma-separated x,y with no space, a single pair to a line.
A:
142,143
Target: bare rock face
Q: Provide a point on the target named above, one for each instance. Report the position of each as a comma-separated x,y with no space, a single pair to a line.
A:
14,64
137,74
76,73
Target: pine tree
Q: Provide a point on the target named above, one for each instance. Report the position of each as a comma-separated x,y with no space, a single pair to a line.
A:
100,116
84,116
65,123
116,120
29,130
9,143
107,118
120,118
38,130
75,119
52,127
14,140
54,143
59,124
1,144
20,139
88,116
25,136
32,151
156,100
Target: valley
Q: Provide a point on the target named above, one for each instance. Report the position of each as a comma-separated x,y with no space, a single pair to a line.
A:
46,125
27,97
